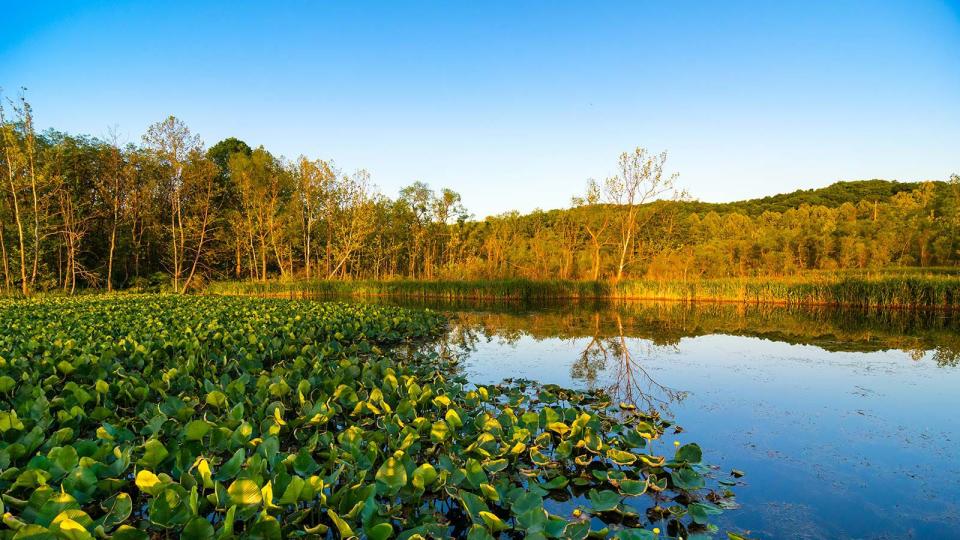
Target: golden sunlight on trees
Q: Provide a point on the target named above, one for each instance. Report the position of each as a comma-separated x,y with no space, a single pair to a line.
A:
81,212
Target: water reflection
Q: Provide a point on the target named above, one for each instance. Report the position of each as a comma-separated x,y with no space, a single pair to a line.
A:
631,381
844,420
613,344
920,334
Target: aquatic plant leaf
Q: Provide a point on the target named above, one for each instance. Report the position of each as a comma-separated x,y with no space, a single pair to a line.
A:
633,487
439,432
380,531
423,476
195,430
197,529
635,534
473,505
391,476
148,482
620,457
217,399
342,526
479,532
126,532
701,511
116,510
154,453
71,530
687,478
270,418
493,522
244,492
689,453
603,501
232,466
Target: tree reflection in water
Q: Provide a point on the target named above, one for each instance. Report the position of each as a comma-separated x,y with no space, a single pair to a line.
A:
611,360
631,381
616,342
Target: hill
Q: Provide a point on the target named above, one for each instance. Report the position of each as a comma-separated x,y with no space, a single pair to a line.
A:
831,196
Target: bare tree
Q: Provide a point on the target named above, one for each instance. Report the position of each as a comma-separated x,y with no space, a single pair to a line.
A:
640,180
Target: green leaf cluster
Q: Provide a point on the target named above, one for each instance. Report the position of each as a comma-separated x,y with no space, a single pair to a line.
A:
209,417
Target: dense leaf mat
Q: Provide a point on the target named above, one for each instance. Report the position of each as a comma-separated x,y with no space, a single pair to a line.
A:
202,417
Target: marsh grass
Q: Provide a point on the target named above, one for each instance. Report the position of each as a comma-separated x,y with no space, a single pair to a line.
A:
893,290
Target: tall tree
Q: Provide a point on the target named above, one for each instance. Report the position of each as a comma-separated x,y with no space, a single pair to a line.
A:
173,145
15,164
315,181
353,218
640,179
201,191
113,187
596,230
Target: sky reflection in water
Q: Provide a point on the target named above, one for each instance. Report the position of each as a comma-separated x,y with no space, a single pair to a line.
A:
845,422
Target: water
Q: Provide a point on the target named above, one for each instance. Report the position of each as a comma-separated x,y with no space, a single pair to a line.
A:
844,422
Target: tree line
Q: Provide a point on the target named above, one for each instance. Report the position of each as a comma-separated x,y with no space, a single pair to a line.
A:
169,213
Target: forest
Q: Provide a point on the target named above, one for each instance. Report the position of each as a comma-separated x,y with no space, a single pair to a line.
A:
169,213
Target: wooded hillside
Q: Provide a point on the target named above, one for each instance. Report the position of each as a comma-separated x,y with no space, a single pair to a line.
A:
78,211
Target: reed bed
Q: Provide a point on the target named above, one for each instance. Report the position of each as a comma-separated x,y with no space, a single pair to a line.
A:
899,291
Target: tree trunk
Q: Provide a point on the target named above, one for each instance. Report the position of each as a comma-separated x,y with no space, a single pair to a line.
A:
306,249
239,270
626,240
263,257
24,286
36,216
113,243
3,253
173,238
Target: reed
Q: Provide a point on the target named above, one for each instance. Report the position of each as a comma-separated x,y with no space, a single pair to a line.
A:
895,291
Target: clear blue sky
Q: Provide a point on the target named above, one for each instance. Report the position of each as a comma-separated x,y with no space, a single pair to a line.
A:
516,104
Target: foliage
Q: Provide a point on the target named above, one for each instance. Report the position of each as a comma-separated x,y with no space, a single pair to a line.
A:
832,196
83,212
139,416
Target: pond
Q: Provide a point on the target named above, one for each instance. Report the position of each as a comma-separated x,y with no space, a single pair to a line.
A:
844,422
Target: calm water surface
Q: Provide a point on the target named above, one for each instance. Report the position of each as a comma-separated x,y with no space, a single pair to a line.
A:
845,423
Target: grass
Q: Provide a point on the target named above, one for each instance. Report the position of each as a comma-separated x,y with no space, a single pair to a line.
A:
888,290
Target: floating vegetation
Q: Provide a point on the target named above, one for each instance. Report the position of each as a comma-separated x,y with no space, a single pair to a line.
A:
149,416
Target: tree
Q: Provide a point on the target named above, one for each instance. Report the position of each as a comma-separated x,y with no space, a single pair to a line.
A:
315,181
417,197
190,187
639,181
353,217
201,191
596,231
113,187
173,145
15,164
265,188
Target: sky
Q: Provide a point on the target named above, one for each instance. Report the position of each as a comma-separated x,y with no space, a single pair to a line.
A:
516,104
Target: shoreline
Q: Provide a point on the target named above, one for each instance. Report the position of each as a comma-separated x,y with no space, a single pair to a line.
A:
793,293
